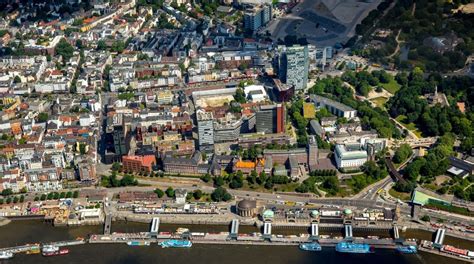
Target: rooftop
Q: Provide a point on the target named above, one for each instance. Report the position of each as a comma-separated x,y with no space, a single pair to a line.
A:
327,101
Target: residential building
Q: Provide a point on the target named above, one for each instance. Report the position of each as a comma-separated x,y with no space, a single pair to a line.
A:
257,17
87,172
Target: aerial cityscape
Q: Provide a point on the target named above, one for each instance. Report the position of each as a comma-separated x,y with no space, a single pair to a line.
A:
237,131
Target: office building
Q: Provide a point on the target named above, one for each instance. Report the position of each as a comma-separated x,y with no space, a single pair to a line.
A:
313,153
205,124
257,17
137,164
350,156
271,119
120,141
293,66
336,108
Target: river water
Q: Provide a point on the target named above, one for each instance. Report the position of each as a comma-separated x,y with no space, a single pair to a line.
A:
22,232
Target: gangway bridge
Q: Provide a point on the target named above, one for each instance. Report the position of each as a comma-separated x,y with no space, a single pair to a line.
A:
348,232
267,230
107,224
234,229
155,227
314,231
439,237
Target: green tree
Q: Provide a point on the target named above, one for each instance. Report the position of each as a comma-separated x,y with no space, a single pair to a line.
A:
170,192
7,192
118,46
206,177
101,45
240,96
75,194
197,194
82,148
159,192
262,178
218,181
425,218
402,153
331,185
128,180
116,166
220,194
64,49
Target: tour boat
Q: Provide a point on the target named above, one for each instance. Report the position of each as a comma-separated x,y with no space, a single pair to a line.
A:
6,255
173,243
310,246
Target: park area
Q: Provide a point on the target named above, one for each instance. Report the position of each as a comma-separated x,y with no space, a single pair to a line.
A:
379,101
392,86
409,126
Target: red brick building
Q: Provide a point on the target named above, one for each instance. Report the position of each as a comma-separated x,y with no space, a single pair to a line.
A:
138,164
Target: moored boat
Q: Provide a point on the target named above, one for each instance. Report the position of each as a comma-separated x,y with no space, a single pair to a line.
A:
49,248
138,243
33,251
182,230
310,246
60,252
407,249
349,247
174,243
6,255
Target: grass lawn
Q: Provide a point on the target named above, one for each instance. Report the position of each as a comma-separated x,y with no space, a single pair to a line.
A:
400,195
379,101
392,87
409,126
431,187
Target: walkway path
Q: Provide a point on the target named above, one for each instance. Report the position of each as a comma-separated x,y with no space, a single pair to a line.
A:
398,35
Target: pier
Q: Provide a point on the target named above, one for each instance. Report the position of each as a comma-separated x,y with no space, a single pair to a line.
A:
233,237
66,243
437,247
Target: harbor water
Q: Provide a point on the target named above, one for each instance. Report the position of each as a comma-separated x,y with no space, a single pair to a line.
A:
22,232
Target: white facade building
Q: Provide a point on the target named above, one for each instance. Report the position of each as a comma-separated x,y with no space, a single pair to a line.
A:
349,156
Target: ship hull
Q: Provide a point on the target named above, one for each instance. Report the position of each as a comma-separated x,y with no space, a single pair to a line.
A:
353,248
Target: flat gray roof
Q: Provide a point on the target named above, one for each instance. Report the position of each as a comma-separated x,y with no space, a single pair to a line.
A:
327,101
